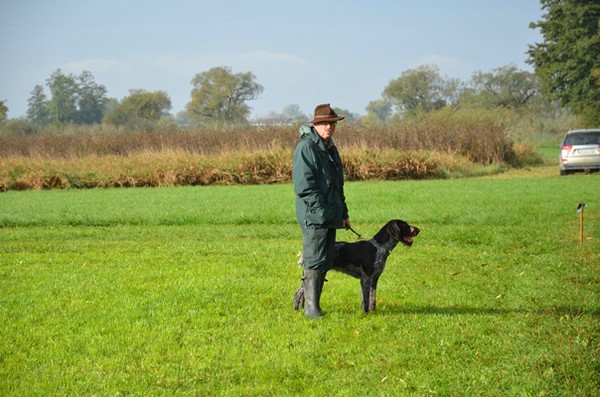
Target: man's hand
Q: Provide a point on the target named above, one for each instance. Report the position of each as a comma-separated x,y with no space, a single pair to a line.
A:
346,224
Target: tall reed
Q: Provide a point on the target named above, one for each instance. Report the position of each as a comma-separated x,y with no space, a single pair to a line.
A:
428,149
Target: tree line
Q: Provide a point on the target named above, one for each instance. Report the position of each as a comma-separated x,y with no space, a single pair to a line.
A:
220,97
566,76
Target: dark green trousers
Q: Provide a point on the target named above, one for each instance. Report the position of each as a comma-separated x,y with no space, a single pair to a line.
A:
318,248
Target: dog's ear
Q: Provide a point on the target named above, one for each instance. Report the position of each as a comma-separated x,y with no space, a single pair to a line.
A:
394,231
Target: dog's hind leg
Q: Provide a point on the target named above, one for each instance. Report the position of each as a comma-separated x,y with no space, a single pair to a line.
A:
299,298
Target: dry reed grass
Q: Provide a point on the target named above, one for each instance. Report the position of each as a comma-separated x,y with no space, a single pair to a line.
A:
429,149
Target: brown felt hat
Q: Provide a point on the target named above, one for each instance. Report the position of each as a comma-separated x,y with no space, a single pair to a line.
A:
324,113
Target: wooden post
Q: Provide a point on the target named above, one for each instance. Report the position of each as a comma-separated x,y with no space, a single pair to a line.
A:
581,227
580,210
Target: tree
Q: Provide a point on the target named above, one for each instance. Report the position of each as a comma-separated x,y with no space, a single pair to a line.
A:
219,96
349,116
37,110
294,113
73,99
505,86
379,111
62,106
140,110
91,100
421,90
3,112
291,114
567,62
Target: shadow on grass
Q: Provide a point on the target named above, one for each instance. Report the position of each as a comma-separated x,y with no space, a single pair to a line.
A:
560,311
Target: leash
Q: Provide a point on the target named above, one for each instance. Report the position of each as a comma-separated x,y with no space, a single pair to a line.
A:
357,234
301,260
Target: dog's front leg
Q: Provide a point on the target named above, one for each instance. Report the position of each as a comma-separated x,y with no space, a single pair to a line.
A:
365,283
373,294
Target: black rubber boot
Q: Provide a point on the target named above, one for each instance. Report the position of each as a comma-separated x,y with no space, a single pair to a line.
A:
313,281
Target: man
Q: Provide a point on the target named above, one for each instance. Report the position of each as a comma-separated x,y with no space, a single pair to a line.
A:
320,203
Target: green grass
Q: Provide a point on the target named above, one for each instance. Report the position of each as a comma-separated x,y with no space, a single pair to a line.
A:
188,291
550,154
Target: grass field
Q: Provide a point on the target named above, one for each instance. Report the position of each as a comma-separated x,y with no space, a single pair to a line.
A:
188,291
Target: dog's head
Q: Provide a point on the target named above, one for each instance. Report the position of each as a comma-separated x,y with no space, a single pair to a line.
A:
401,231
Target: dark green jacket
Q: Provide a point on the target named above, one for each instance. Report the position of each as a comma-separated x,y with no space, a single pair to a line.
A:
319,203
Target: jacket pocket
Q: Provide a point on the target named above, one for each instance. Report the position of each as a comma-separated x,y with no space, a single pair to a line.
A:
315,216
322,216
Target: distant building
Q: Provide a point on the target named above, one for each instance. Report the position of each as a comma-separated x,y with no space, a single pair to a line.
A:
277,121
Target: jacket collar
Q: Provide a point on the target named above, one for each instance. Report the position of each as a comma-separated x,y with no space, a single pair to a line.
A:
308,132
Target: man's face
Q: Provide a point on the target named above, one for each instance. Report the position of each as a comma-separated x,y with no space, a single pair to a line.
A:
326,129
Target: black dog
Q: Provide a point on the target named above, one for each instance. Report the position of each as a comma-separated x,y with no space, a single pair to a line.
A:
366,259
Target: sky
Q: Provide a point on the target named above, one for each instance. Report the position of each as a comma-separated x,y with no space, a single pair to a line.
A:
302,52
